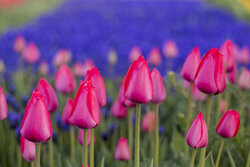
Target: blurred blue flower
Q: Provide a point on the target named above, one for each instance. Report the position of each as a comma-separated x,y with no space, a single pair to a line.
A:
54,137
24,99
18,135
105,112
59,122
14,119
112,127
12,88
11,100
161,130
105,135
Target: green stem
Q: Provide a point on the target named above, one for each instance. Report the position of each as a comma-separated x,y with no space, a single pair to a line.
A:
92,136
19,157
156,160
219,154
151,139
51,158
248,159
32,164
218,107
72,143
137,136
38,152
193,158
85,148
130,134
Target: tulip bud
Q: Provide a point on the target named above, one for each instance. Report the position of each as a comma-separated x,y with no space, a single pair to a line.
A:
36,125
244,80
122,98
210,76
88,64
159,91
232,76
3,105
134,53
228,125
28,149
223,106
138,83
31,53
96,79
64,80
50,95
122,151
198,95
228,55
154,57
118,110
243,56
197,136
112,57
85,112
19,44
148,122
170,49
78,69
43,68
63,56
190,65
2,67
66,111
80,137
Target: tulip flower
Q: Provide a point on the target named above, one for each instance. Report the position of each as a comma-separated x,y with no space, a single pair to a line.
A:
123,99
228,55
227,127
31,53
148,122
243,56
28,149
66,111
170,49
78,69
197,136
62,56
64,80
210,76
197,94
154,57
80,137
122,151
98,83
3,105
138,86
244,81
36,125
50,95
87,65
19,44
43,68
118,110
232,76
85,112
159,92
223,105
134,53
190,65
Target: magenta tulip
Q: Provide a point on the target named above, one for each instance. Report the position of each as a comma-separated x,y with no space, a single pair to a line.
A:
122,151
134,53
148,122
159,91
118,110
28,149
31,53
243,57
232,76
122,98
154,57
66,111
244,80
3,105
228,55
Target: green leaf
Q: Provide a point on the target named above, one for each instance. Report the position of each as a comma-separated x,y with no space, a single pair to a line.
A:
209,162
231,159
178,142
152,163
101,164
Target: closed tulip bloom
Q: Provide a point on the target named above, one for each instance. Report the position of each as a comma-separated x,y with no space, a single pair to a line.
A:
223,105
122,151
148,122
87,65
197,136
244,80
28,149
190,65
36,125
64,80
118,110
138,86
122,98
232,76
62,56
66,111
198,95
134,53
85,112
31,53
78,69
228,55
3,105
210,76
228,125
50,95
170,49
98,83
19,44
80,137
159,92
154,57
243,56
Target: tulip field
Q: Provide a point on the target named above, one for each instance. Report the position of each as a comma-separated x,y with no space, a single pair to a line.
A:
126,84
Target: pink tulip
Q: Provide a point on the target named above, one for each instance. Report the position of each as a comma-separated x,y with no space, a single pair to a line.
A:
243,57
62,56
78,69
98,83
87,65
118,110
159,91
66,111
28,149
190,65
138,83
196,93
244,80
36,125
148,122
50,95
170,49
64,80
122,151
3,105
154,57
85,112
80,137
228,125
123,99
232,76
31,53
210,76
197,136
134,53
223,106
43,68
228,55
19,44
